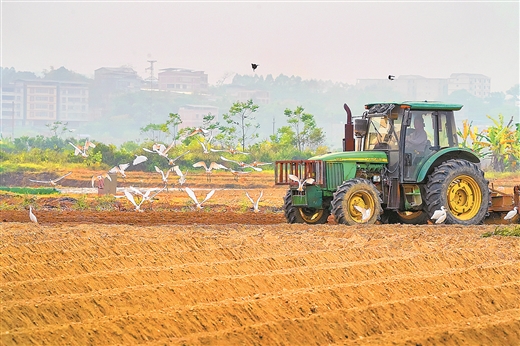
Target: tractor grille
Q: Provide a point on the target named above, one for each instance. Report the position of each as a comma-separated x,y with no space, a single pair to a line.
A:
335,174
303,169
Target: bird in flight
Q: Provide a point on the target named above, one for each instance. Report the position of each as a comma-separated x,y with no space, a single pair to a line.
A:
120,169
439,215
198,130
100,177
32,217
254,66
78,151
212,165
511,214
365,213
242,164
301,182
230,150
53,182
391,77
164,175
255,204
182,176
172,161
130,197
236,174
139,159
194,198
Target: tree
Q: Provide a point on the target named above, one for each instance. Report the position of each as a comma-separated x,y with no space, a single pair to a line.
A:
241,124
155,131
58,128
174,121
306,133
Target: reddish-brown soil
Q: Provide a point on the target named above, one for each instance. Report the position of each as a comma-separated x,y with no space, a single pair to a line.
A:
96,272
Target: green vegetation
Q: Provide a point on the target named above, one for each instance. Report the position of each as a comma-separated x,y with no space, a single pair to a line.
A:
30,190
238,132
505,231
500,142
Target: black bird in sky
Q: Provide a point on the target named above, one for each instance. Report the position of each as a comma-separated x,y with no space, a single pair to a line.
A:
391,77
254,66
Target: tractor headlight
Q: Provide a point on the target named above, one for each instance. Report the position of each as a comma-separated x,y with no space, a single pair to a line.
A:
376,179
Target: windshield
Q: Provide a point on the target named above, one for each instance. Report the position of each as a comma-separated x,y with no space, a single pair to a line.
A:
383,133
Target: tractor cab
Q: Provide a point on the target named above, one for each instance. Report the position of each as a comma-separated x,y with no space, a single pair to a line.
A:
411,133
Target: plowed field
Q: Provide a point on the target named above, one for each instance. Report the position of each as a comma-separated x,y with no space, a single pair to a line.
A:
96,272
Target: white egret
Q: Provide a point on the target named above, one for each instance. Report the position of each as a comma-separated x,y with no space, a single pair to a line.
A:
439,215
255,204
511,214
32,217
194,198
301,182
53,182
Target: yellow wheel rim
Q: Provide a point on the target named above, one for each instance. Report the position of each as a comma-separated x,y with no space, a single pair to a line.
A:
464,197
363,200
310,218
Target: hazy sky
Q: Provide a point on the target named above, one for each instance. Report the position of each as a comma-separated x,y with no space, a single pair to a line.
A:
338,41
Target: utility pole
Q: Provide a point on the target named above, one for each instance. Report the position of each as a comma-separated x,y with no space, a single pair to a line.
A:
273,124
151,78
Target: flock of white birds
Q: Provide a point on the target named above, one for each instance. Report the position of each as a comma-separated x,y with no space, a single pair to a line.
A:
160,149
138,197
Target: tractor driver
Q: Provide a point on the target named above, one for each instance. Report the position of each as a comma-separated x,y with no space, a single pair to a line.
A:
418,137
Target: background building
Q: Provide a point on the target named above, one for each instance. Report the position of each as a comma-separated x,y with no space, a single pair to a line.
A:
182,80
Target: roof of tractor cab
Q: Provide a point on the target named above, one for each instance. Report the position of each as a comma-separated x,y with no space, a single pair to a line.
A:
423,105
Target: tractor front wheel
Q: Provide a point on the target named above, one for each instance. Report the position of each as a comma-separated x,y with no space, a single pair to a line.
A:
354,194
303,214
461,188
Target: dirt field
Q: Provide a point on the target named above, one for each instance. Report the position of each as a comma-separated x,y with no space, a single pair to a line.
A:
96,272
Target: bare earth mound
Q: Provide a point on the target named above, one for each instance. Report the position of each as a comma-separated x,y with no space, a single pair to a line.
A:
91,284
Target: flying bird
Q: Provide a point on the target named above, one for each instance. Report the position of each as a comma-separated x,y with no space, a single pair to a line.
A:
120,169
78,151
164,175
236,174
198,130
301,182
242,164
139,159
130,197
100,177
53,182
194,198
172,161
182,176
254,66
32,217
212,165
391,77
439,215
230,150
204,147
365,213
255,204
511,214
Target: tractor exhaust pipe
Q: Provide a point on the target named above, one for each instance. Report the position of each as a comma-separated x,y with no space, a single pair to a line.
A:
348,141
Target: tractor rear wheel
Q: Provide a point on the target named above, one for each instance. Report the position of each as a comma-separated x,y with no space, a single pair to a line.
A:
303,214
356,192
461,188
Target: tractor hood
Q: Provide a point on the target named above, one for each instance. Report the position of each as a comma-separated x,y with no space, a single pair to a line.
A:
354,156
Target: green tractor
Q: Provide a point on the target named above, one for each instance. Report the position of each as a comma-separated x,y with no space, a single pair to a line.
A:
401,163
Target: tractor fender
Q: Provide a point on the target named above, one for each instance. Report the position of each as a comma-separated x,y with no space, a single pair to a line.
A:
445,155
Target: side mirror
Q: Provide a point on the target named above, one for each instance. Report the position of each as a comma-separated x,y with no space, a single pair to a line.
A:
360,127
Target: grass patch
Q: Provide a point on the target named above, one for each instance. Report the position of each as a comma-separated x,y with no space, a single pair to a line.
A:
505,231
500,175
30,190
